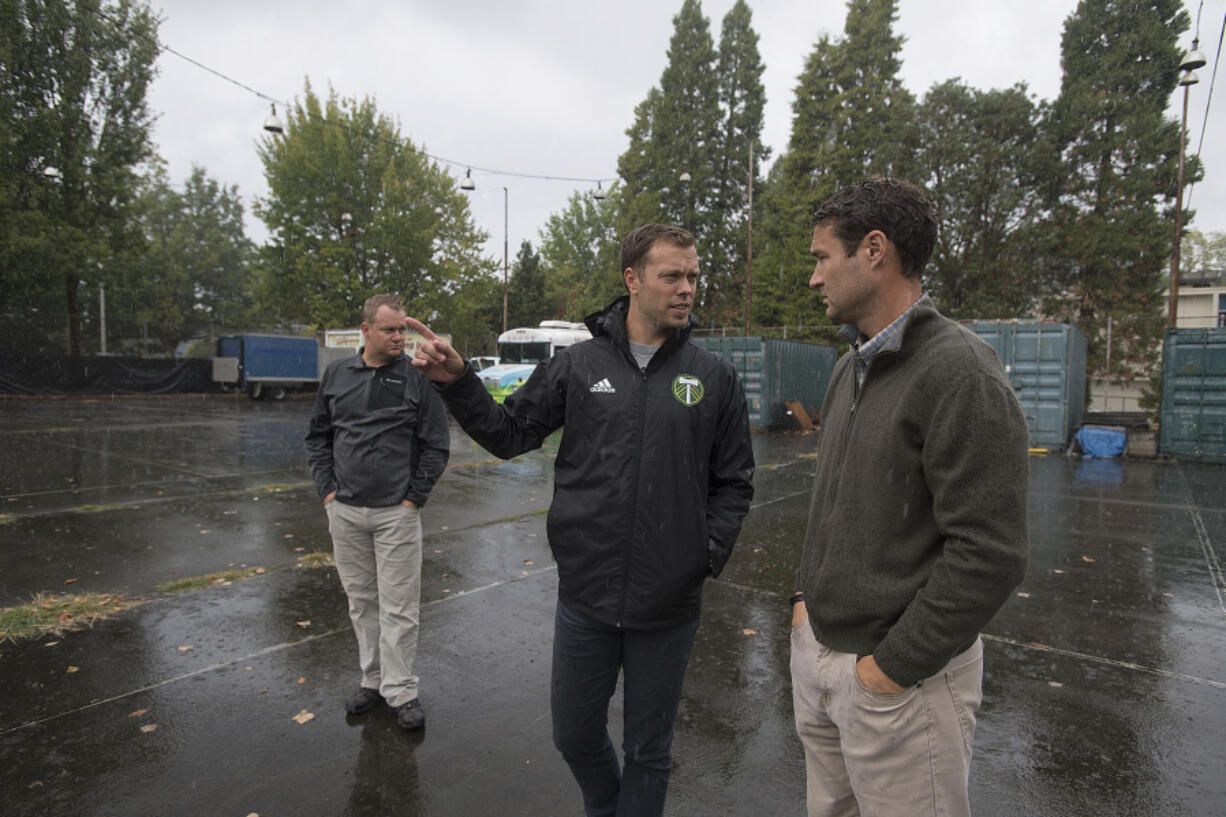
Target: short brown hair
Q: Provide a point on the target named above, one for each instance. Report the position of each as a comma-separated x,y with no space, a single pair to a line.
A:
896,207
375,301
638,243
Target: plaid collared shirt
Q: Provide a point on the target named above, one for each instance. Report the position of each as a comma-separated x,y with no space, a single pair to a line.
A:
887,340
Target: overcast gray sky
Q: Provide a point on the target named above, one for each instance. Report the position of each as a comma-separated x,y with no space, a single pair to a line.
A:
549,87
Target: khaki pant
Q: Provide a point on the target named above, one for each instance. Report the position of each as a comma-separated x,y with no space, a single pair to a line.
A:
878,755
378,557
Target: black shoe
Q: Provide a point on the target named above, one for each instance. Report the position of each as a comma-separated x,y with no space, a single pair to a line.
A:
411,716
362,701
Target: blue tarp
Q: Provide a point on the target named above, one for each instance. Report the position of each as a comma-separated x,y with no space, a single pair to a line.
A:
1101,443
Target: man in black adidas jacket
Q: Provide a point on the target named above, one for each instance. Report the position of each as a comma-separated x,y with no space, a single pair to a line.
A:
651,483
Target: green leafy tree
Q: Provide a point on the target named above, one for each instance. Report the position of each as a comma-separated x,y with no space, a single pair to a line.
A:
73,80
354,209
192,275
851,119
1202,255
981,157
1110,226
526,304
581,256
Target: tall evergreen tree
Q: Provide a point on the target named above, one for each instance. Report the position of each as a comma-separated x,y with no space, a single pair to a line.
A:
526,304
676,136
641,202
851,119
741,98
1111,238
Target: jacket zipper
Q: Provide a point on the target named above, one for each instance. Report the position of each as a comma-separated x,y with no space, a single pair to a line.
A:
634,508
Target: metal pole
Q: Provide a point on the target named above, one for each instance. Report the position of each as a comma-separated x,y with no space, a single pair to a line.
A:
506,220
1173,299
749,251
1107,391
102,315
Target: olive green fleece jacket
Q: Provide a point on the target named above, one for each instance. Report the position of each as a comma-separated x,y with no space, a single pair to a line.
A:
917,529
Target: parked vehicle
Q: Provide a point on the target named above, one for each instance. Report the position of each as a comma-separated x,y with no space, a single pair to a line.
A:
521,349
267,365
276,365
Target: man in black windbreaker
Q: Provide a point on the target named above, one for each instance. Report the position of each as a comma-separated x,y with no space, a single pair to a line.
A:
651,483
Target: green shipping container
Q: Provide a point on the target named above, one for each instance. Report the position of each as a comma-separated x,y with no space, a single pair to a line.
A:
1193,418
773,371
1046,363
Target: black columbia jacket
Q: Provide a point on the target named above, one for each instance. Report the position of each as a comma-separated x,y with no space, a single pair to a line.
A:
652,477
377,436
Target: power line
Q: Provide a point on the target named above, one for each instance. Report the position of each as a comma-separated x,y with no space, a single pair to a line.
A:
288,106
1217,59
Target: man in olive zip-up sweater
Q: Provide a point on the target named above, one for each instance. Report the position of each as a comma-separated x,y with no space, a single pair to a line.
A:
917,529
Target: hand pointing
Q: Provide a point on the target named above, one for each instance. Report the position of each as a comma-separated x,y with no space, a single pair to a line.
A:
435,357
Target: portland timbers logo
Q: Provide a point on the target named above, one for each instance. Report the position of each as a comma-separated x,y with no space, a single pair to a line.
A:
688,389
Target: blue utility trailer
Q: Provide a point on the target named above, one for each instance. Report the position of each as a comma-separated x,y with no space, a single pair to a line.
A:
270,365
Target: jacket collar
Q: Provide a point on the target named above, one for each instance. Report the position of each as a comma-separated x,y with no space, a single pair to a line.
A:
852,334
610,322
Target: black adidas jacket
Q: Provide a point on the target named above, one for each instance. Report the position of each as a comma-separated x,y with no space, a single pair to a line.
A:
653,475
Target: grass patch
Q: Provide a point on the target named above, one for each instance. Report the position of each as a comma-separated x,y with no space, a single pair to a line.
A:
279,487
200,582
56,615
98,508
7,518
320,558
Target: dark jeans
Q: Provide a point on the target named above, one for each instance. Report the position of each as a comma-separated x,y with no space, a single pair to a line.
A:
587,656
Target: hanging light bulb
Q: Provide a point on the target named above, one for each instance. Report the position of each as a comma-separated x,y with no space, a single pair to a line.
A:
273,124
599,194
1193,59
468,183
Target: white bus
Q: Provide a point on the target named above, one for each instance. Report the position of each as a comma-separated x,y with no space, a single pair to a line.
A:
520,350
538,344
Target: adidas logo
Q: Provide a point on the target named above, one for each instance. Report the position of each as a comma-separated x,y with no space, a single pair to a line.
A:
603,387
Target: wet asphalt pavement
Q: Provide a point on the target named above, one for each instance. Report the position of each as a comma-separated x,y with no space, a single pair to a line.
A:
1105,682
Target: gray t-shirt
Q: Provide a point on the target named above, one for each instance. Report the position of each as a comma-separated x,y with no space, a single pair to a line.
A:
642,353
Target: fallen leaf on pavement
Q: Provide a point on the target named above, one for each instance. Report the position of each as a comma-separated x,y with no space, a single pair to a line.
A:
1087,559
1023,595
748,631
302,680
71,670
137,713
51,643
186,648
304,716
303,623
70,581
529,562
149,727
